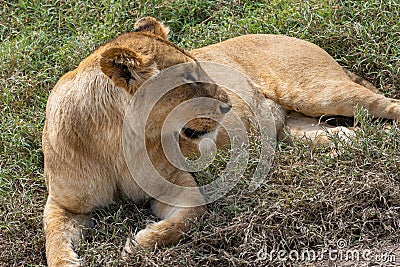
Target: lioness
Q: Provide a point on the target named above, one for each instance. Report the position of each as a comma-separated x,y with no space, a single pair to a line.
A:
84,162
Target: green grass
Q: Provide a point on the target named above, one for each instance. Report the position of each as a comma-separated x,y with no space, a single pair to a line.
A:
310,199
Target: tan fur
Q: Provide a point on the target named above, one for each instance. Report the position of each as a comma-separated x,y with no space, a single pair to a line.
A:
84,163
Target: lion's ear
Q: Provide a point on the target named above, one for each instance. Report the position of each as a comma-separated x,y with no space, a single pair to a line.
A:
126,68
151,25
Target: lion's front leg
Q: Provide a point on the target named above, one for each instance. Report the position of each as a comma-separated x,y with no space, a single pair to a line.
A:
175,220
305,128
169,230
62,228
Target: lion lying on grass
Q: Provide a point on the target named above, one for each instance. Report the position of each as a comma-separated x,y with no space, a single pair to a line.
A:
85,166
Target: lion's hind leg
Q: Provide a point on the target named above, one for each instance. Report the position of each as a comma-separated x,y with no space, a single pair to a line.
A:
350,95
62,229
301,127
340,98
361,81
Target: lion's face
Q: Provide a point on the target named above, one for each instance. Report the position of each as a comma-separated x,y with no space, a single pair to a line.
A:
192,110
207,110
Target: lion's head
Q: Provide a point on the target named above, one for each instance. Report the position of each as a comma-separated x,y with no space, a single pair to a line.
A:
133,58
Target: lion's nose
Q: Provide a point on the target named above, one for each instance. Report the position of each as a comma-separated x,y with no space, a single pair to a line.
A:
225,108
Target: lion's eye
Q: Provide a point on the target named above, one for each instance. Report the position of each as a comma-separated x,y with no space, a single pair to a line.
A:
190,77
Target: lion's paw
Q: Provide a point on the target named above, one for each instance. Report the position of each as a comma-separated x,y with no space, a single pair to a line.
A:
159,234
131,247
